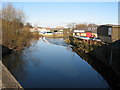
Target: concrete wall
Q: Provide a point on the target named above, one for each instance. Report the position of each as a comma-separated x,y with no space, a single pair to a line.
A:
8,80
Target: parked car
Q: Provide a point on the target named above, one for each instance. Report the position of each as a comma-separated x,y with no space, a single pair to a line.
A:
83,37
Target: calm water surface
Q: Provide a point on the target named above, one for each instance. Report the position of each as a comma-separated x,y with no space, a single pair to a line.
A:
51,63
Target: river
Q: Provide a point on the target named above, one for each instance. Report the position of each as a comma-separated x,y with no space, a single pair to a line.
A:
51,63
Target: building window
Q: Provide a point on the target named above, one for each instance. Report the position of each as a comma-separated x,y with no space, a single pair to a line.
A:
109,31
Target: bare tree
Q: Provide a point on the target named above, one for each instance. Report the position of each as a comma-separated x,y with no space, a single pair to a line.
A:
71,25
12,26
81,25
28,25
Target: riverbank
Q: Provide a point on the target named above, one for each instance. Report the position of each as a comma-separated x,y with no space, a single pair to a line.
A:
8,80
106,53
101,56
53,35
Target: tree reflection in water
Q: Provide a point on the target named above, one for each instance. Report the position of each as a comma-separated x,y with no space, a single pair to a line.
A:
16,65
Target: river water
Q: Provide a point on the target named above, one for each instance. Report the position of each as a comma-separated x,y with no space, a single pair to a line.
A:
51,63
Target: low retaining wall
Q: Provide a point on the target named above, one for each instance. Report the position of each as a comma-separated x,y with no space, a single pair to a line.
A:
8,80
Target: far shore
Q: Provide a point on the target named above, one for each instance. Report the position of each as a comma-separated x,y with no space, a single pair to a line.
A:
53,36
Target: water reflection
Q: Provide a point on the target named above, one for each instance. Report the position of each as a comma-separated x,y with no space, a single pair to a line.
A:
106,72
17,66
46,65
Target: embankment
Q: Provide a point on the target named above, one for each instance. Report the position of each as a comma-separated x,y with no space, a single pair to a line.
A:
103,58
7,79
109,54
